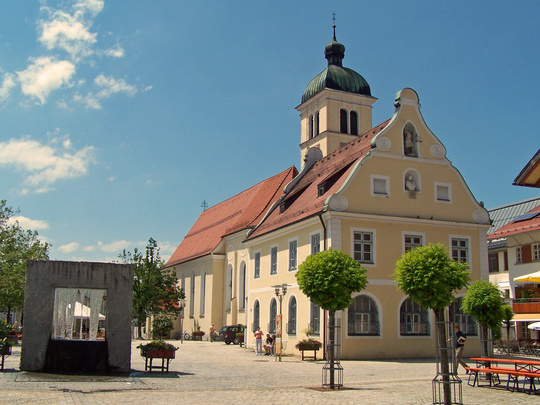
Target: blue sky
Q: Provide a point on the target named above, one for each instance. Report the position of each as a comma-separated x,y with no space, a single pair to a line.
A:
118,119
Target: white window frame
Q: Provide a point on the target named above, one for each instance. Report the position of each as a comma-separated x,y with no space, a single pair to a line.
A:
469,247
436,189
404,234
519,254
536,252
293,255
386,179
311,236
373,245
271,259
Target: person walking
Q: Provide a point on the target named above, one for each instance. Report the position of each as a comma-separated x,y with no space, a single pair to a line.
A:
258,341
212,333
460,345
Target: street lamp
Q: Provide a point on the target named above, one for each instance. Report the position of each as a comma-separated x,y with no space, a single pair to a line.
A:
281,290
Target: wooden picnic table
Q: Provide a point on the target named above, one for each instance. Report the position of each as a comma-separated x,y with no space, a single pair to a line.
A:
529,369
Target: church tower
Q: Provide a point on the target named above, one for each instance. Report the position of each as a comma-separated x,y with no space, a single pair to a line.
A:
336,105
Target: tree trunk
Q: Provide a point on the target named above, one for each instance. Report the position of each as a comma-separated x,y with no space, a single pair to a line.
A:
443,347
331,340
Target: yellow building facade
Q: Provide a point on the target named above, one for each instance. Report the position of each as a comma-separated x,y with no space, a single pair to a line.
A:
372,192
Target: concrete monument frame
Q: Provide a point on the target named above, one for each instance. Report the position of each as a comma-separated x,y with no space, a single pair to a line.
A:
43,277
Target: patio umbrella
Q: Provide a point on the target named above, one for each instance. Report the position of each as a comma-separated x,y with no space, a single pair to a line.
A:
534,326
531,278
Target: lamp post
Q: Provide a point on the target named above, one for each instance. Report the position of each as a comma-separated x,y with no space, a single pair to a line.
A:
182,306
281,290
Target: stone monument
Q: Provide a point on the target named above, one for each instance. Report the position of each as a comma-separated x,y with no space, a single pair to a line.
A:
77,317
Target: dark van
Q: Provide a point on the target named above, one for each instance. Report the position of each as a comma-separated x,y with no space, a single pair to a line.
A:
228,334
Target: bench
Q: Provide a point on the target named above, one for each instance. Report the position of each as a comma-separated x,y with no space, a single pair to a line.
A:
513,376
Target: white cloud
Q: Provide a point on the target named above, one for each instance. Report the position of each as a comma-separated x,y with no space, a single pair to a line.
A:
7,84
42,165
69,247
27,223
116,246
109,86
44,75
116,51
94,6
68,32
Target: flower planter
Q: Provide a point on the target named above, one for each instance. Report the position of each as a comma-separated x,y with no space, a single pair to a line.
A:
165,354
197,335
5,350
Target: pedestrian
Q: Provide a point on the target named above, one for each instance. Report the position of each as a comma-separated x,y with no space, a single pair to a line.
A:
212,333
460,345
258,341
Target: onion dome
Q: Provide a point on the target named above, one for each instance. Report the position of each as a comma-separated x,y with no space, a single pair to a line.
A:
335,76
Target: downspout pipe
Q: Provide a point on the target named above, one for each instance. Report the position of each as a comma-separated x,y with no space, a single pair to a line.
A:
324,310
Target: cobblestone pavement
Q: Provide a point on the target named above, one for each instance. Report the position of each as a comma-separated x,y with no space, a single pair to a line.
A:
205,372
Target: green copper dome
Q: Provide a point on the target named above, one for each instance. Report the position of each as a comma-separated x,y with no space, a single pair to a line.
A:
335,76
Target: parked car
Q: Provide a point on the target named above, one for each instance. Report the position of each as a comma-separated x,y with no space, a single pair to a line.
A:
228,334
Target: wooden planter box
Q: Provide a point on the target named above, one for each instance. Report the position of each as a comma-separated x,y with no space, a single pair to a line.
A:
166,357
4,351
310,349
197,336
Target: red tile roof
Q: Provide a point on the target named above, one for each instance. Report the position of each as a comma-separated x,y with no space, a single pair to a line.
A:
242,211
517,227
303,200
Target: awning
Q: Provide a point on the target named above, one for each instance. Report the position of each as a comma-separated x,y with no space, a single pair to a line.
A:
526,318
504,284
529,278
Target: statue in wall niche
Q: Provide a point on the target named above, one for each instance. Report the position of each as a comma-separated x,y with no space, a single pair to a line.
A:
409,183
409,142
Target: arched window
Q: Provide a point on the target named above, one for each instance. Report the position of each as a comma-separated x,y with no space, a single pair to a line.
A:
317,128
343,121
291,324
192,296
310,127
363,317
203,293
242,301
466,323
314,318
273,314
413,319
228,288
256,316
354,123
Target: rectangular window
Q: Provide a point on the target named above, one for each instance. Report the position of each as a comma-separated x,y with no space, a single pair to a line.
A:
315,243
273,260
412,241
361,323
519,255
460,249
257,271
505,260
363,247
293,250
493,262
443,192
536,251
